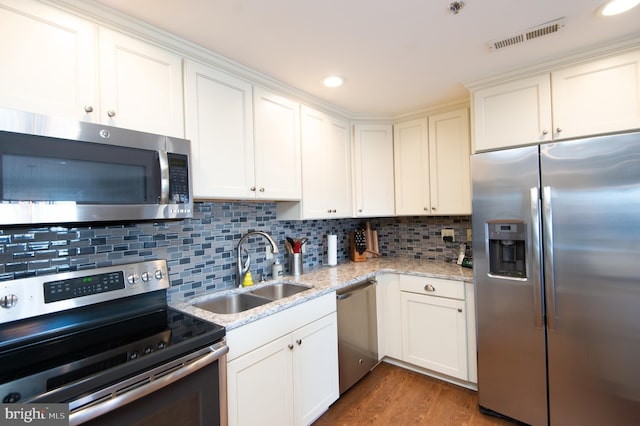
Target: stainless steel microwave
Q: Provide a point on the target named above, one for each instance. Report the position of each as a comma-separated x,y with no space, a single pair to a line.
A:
57,171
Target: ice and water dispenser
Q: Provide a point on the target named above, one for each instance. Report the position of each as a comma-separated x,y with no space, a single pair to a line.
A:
507,241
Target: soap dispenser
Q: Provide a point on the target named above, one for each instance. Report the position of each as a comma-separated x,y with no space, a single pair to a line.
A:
276,270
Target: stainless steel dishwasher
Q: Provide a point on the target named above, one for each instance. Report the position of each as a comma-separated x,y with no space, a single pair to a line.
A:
357,332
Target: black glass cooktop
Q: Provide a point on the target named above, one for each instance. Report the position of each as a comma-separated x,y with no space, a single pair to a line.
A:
48,360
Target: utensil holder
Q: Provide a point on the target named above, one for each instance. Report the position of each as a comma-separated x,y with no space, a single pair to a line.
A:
295,264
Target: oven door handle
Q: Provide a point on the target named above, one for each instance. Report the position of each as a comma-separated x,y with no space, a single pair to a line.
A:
119,395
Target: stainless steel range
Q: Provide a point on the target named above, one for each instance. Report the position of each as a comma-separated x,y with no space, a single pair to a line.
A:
104,342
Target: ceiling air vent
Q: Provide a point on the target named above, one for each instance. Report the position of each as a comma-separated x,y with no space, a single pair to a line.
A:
528,34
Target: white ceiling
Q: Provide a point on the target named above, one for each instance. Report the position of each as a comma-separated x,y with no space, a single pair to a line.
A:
398,56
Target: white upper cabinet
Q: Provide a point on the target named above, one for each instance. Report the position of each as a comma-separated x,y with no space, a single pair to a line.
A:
140,85
590,98
597,97
219,123
411,165
48,60
277,146
432,172
50,67
514,113
326,169
449,168
373,170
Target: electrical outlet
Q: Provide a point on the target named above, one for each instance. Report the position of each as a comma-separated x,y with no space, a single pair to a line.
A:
469,234
448,235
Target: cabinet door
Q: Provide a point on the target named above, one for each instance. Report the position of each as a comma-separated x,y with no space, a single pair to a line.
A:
326,166
260,384
140,85
338,171
434,334
48,61
598,97
449,175
411,167
471,332
514,113
314,164
219,123
374,192
315,369
277,147
389,316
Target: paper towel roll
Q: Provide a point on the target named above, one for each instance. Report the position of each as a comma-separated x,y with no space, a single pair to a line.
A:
332,250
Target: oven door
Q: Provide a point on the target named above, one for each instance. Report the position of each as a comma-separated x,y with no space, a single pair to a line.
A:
187,391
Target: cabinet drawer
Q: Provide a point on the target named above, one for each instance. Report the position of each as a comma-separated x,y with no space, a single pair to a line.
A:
432,286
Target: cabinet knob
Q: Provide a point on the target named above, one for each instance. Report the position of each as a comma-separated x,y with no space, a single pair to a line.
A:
290,346
433,208
334,211
111,113
9,301
88,108
359,210
261,189
558,130
253,189
429,287
299,342
426,209
545,132
459,309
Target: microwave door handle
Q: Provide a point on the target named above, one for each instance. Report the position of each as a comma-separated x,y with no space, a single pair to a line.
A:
163,159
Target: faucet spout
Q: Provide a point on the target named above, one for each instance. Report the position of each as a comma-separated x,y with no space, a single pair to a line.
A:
241,269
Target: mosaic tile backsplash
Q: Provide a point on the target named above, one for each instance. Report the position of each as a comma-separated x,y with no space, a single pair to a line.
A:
201,251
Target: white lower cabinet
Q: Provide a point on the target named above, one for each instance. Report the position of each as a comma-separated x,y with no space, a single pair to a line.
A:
290,379
434,333
428,324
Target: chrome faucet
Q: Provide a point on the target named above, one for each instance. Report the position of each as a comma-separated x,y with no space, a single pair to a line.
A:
241,269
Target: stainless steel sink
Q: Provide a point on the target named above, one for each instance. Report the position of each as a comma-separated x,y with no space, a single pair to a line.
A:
279,290
232,303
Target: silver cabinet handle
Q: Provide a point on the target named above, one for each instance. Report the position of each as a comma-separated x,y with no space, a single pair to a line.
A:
558,130
261,190
252,189
429,288
88,108
290,346
299,342
111,113
549,274
545,132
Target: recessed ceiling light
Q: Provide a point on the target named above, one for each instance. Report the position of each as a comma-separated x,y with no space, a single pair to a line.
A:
333,81
616,7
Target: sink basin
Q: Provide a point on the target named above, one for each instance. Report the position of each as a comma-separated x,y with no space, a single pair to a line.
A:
279,290
232,303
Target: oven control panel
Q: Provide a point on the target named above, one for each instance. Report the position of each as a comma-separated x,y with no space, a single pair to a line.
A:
30,297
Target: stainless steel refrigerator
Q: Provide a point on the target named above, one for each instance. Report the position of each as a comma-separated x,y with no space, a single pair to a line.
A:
556,246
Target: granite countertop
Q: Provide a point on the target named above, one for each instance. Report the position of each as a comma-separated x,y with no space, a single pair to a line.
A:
326,279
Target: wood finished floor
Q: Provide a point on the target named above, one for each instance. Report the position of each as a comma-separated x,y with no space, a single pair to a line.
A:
390,395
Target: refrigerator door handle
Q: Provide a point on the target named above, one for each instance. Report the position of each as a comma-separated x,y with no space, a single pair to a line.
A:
549,274
535,249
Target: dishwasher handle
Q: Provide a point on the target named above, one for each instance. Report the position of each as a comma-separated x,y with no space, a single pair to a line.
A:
353,289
